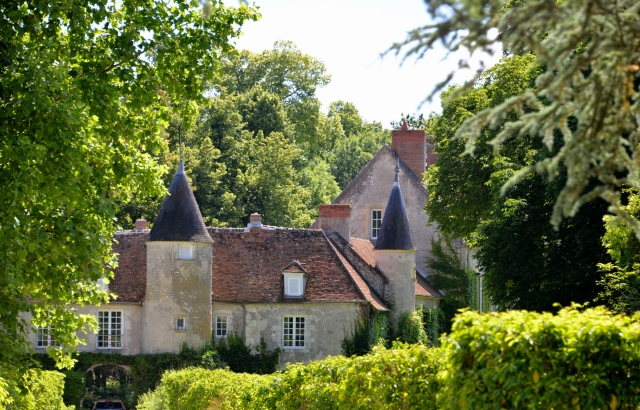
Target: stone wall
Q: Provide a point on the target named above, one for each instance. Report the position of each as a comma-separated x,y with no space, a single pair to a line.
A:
131,325
371,191
325,325
176,288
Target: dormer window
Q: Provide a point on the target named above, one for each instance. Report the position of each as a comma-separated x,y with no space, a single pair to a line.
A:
295,280
293,285
185,252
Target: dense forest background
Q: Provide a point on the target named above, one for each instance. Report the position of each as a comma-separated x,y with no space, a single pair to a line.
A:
261,143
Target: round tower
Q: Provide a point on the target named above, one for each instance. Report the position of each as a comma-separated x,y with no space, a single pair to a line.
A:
177,304
395,254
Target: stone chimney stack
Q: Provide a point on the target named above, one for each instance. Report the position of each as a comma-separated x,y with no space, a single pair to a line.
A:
335,218
411,147
141,225
255,220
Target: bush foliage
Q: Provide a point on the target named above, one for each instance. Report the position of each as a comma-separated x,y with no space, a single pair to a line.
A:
520,359
575,359
38,389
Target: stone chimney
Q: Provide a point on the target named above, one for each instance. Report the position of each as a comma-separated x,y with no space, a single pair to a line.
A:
411,147
141,225
335,218
255,220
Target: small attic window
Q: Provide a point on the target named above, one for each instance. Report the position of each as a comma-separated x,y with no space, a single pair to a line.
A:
293,284
185,252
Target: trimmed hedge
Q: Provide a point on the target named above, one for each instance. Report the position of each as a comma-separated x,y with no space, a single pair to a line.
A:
402,377
516,359
520,359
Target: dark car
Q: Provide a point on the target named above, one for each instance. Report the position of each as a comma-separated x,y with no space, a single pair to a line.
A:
109,405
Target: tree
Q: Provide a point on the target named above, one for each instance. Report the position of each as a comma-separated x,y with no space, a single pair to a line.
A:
450,276
587,93
621,281
84,90
526,263
287,73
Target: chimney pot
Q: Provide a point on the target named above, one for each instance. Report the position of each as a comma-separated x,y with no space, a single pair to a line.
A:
255,220
141,225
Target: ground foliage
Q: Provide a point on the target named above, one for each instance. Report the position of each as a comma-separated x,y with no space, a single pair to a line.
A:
84,90
588,92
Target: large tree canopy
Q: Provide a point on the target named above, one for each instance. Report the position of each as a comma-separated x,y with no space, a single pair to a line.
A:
527,264
588,92
84,91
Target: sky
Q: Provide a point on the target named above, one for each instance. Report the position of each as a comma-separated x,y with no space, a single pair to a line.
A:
349,37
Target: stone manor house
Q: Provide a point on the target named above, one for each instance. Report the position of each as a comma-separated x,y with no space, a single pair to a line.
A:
299,289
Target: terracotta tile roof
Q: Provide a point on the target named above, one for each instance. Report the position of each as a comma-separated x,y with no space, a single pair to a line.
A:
364,249
362,285
130,278
425,288
294,267
247,266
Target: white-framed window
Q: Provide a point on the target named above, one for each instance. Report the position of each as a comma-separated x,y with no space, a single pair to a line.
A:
185,252
293,284
45,337
181,324
222,326
293,330
376,223
110,330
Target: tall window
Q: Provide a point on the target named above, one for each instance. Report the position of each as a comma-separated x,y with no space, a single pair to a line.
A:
110,333
45,337
376,222
293,332
221,325
180,324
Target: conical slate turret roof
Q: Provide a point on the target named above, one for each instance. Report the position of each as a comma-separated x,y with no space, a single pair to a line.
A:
179,218
395,233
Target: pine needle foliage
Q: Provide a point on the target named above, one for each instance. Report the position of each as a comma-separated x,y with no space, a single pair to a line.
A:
590,50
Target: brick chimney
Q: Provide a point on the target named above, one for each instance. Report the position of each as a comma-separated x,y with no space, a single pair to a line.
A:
335,218
411,147
141,225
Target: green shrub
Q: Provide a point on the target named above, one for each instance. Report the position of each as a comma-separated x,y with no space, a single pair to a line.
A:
73,387
198,389
235,354
366,333
520,359
432,319
400,378
39,390
411,329
403,377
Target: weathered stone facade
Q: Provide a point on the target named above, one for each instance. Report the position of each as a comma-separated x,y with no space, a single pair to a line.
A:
325,325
